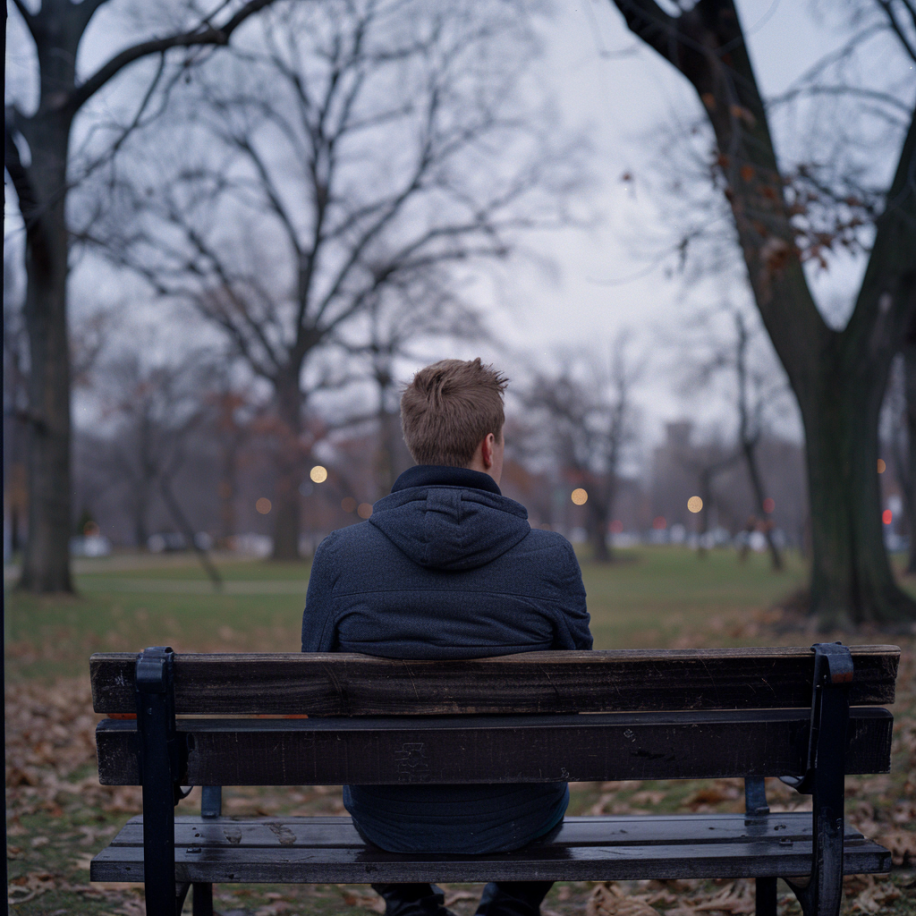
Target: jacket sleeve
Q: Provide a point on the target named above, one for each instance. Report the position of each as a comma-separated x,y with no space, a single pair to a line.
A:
319,633
573,616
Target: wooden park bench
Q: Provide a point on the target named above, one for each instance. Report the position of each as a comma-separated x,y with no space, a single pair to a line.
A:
808,716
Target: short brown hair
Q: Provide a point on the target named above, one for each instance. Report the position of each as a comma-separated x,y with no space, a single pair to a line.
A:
449,408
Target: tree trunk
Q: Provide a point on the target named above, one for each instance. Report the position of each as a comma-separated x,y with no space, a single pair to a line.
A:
838,377
228,486
290,469
749,449
908,474
46,561
599,513
851,578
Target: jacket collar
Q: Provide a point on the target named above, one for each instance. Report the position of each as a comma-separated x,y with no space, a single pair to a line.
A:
433,475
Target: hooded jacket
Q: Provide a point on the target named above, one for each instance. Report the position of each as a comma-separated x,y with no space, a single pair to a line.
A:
447,567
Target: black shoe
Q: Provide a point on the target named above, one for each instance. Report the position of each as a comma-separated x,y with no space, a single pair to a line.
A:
412,900
513,898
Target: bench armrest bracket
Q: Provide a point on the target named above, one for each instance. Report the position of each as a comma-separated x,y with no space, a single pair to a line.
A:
162,759
824,778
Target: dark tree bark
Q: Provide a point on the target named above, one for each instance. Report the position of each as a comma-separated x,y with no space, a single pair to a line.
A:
42,185
907,471
838,376
290,467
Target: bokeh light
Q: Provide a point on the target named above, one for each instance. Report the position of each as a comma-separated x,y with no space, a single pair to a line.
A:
364,510
695,504
882,467
659,523
348,504
769,505
318,474
887,516
263,505
579,496
617,526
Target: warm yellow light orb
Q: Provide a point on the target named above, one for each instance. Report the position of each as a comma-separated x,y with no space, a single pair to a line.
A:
695,504
882,467
318,474
579,496
263,505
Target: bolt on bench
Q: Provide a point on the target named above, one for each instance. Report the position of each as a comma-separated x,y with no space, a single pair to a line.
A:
807,715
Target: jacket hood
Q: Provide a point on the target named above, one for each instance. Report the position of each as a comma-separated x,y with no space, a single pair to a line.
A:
450,518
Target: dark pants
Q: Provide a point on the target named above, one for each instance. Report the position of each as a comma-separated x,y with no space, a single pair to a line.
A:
507,898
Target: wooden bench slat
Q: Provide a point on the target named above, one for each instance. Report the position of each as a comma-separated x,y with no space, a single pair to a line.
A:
751,858
606,830
496,749
534,682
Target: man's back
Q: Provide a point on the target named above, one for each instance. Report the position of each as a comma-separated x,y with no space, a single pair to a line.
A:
447,567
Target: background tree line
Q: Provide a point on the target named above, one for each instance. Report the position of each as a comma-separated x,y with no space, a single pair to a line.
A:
306,188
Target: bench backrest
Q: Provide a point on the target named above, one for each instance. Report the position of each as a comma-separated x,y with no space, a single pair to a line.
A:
651,715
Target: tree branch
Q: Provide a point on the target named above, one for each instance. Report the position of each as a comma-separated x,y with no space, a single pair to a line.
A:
28,18
205,35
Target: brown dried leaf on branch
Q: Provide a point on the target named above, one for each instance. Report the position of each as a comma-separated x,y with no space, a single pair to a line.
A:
607,899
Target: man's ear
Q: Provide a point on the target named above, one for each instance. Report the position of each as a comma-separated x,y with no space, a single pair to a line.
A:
486,450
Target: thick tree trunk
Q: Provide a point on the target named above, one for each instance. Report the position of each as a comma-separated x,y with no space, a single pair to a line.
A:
838,377
908,473
851,579
290,469
46,561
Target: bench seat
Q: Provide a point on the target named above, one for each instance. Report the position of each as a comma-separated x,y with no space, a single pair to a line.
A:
329,850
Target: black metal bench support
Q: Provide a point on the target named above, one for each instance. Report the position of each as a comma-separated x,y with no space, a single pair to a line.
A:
211,805
833,670
755,806
161,763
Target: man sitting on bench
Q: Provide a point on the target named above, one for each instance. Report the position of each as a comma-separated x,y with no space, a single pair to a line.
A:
447,567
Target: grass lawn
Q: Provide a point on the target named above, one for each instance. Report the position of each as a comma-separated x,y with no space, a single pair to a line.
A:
60,816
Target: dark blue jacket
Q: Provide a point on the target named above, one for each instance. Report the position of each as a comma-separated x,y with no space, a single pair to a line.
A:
447,567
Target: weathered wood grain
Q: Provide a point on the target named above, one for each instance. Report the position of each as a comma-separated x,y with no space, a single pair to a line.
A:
606,830
741,859
537,682
497,749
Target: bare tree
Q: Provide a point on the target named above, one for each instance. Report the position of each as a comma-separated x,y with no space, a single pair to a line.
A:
756,387
408,323
585,416
38,161
837,375
153,409
350,150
